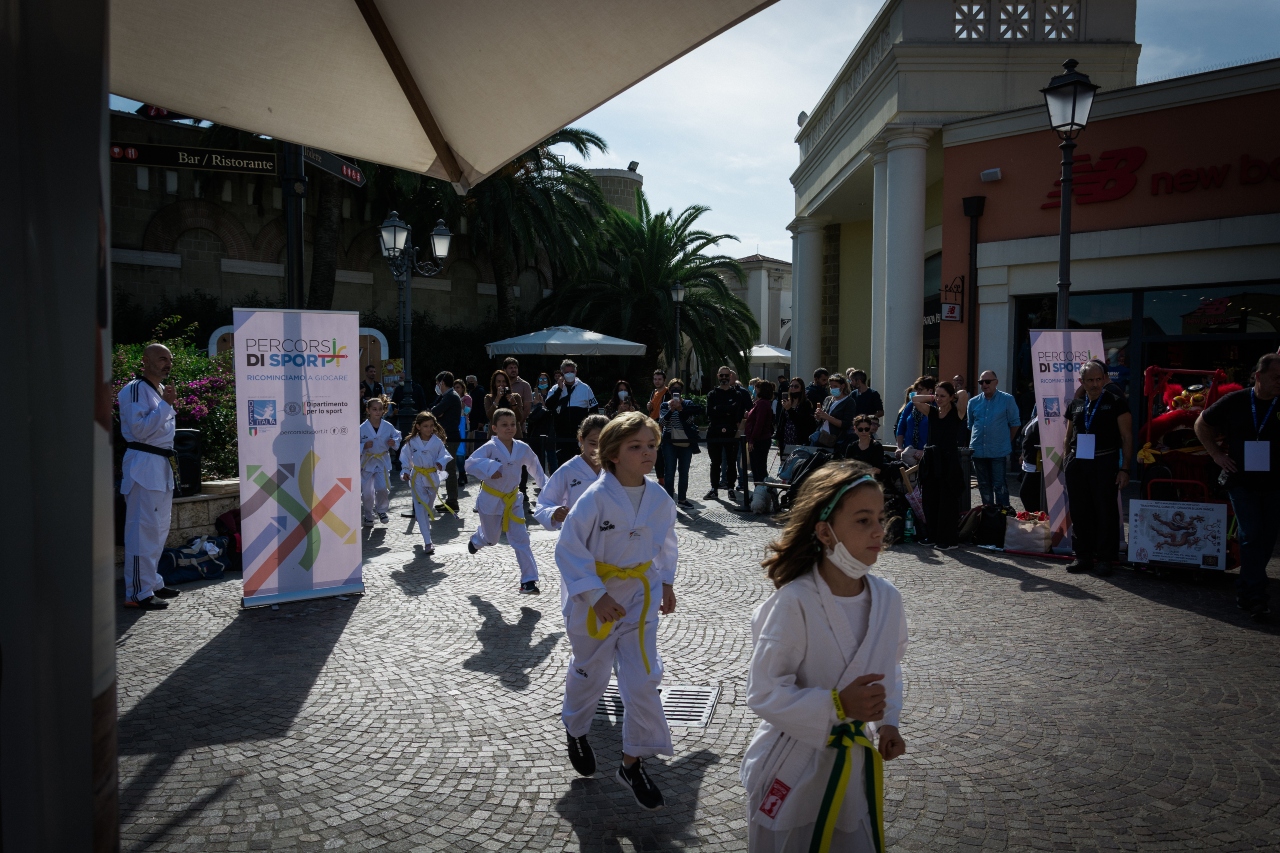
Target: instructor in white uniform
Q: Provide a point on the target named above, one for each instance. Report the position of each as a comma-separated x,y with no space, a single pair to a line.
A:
147,423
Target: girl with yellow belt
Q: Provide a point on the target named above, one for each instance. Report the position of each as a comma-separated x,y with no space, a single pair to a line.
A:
422,458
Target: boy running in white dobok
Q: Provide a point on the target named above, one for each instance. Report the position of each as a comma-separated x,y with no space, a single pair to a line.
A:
617,560
498,463
377,440
422,458
826,674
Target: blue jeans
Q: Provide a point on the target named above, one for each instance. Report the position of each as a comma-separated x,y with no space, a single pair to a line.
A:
992,483
1256,511
673,456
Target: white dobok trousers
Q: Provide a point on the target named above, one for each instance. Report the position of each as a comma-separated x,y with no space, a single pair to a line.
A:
146,527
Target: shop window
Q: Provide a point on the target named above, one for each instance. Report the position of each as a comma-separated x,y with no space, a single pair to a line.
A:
932,313
1241,310
1061,21
971,21
1016,22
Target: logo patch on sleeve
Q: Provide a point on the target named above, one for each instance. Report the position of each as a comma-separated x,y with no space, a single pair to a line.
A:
773,800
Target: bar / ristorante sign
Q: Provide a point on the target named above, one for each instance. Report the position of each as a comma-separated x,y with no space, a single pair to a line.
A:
188,157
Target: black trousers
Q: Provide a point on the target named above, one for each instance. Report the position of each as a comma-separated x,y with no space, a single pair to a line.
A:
940,491
1029,491
724,461
759,461
1095,511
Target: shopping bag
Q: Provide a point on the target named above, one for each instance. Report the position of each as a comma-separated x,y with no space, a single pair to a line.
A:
1028,532
916,499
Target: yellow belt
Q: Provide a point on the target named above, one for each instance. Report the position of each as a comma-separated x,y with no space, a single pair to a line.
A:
607,571
843,737
413,484
508,505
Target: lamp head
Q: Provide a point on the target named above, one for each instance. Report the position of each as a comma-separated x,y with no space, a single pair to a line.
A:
440,239
1069,97
394,236
678,291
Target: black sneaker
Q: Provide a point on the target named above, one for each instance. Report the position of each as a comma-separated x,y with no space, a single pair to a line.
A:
581,755
471,547
711,495
530,588
382,516
685,502
637,781
168,592
1103,568
1079,566
148,603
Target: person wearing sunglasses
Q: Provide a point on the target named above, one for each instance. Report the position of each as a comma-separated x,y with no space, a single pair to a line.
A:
836,416
865,448
993,422
795,420
727,407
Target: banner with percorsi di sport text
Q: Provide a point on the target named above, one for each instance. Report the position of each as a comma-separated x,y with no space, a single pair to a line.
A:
1056,356
297,402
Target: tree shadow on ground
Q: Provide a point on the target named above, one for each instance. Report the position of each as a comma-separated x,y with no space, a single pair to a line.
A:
604,814
418,575
1027,581
506,650
246,684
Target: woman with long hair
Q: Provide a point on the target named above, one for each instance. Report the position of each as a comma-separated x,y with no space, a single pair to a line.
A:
501,396
622,399
941,477
796,422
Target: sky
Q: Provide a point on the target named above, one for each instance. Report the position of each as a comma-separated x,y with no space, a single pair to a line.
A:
717,127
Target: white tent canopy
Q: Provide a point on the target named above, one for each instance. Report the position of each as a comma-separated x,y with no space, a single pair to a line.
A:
564,340
451,90
769,354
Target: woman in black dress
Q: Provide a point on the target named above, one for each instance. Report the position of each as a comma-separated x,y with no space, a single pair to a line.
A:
864,448
795,421
941,477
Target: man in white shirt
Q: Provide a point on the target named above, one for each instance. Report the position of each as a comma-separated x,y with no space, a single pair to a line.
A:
147,422
570,401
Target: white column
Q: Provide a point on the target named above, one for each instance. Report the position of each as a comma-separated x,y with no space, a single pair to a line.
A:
879,209
904,259
758,300
806,296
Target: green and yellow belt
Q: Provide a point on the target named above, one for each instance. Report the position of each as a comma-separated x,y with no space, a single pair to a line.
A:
843,737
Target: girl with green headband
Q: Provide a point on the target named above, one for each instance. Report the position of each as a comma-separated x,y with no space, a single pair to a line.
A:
826,674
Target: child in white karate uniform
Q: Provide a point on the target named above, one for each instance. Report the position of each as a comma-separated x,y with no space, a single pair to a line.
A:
377,440
825,676
498,463
422,458
571,479
617,554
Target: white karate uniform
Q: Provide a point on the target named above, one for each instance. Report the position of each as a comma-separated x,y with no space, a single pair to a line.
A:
147,486
490,459
563,489
804,648
605,527
418,456
375,467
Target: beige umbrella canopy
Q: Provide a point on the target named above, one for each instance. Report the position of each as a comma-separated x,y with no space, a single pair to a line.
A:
453,90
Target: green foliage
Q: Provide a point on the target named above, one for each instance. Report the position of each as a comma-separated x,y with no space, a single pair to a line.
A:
205,387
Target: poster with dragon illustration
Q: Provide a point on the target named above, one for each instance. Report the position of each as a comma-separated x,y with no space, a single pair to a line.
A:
1185,533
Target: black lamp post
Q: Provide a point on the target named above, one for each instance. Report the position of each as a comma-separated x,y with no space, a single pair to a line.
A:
1068,98
402,259
678,291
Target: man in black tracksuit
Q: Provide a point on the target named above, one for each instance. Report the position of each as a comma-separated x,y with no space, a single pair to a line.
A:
1099,430
726,408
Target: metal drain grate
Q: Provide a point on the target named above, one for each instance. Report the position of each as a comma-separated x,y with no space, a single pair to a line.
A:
683,704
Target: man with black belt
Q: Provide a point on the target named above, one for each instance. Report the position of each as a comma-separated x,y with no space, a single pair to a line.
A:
147,422
726,408
570,402
448,411
1249,420
1099,430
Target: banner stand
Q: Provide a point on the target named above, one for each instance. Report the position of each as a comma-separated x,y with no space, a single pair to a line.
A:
297,410
307,595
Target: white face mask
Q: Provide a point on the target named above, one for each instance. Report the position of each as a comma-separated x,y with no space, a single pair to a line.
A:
570,376
622,395
846,562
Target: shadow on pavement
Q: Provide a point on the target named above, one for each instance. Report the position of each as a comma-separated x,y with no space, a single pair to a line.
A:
246,684
506,650
603,813
419,575
1027,581
1206,593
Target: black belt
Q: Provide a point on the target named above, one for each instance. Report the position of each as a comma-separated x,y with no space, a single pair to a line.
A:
147,448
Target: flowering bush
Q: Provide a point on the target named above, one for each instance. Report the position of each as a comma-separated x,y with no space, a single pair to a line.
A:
206,391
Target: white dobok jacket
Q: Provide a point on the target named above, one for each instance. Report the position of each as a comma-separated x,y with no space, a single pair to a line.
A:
603,527
804,648
493,456
563,489
416,453
147,419
378,457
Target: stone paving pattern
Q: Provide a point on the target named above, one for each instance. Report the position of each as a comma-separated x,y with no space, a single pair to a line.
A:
1044,711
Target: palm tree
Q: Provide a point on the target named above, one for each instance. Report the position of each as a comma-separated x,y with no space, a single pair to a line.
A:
640,259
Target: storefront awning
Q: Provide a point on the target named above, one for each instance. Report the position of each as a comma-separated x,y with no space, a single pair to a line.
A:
452,90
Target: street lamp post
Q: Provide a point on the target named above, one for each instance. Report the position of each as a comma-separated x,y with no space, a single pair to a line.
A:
1068,97
402,259
678,291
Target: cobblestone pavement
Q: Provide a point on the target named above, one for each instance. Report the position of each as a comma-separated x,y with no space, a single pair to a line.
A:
1043,710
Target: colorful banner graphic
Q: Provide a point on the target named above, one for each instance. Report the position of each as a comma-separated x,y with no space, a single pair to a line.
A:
1185,533
1056,356
297,402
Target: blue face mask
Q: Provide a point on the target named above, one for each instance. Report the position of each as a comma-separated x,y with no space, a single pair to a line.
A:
542,385
466,410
